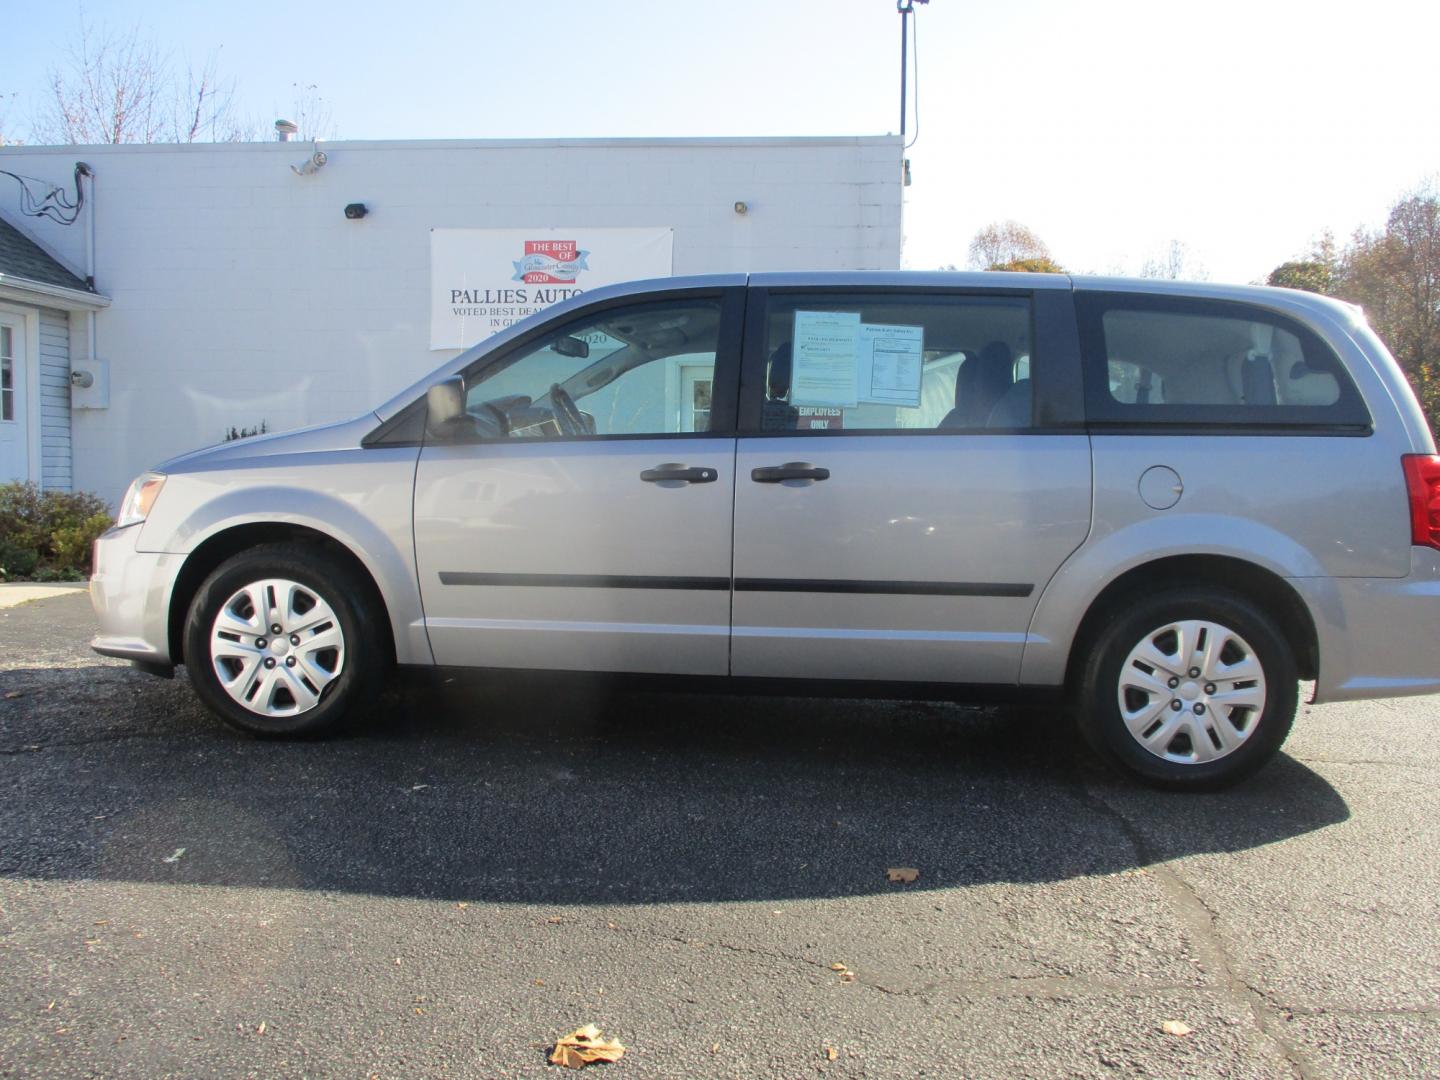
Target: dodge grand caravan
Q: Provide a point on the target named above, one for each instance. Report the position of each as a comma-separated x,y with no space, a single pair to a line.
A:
1162,504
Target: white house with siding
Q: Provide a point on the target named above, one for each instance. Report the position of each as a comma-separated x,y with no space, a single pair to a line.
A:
37,298
230,287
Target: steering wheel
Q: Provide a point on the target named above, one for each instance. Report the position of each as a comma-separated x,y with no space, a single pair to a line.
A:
567,413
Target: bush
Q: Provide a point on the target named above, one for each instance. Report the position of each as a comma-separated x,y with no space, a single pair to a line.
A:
247,432
47,535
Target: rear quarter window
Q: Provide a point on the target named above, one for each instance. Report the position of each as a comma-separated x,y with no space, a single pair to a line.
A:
1152,360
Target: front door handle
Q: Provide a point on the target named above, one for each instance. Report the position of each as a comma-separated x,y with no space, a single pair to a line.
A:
674,471
791,470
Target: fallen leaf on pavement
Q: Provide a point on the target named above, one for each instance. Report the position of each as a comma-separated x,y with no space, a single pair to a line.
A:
1175,1027
585,1046
555,920
905,874
714,1048
831,1053
837,966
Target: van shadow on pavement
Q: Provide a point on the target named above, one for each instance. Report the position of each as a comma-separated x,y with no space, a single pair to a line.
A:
535,792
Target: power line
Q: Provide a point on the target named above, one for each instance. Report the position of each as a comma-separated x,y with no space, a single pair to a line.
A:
56,204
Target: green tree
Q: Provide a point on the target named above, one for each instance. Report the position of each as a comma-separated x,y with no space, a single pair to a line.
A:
1317,272
1038,264
1003,243
1305,274
1394,274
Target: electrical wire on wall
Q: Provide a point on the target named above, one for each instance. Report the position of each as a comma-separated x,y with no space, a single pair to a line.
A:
56,204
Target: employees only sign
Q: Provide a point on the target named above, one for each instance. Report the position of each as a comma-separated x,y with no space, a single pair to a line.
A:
482,280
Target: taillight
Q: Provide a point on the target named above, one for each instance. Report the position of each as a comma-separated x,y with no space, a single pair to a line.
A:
1422,479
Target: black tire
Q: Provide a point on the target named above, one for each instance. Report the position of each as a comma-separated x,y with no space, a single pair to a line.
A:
366,661
1098,695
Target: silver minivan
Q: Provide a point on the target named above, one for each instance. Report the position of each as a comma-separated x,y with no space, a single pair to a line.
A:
1162,505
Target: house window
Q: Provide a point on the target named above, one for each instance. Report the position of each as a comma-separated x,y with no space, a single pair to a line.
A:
7,373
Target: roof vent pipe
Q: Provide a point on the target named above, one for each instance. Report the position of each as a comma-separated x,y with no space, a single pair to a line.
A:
286,130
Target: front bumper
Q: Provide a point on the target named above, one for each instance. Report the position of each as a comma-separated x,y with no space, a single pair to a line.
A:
130,591
1378,637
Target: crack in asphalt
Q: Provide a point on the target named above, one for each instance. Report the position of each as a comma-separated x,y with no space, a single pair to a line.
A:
1357,1010
1035,987
1199,921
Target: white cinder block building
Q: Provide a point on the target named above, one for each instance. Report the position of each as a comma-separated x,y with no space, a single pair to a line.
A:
225,286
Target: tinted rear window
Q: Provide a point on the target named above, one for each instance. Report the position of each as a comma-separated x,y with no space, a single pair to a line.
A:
1158,360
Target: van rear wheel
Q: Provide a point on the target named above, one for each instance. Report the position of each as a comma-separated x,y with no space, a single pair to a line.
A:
1191,689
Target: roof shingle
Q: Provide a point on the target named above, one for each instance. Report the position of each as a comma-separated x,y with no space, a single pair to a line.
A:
21,257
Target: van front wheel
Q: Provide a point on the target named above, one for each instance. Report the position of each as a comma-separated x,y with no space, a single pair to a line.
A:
282,641
1190,690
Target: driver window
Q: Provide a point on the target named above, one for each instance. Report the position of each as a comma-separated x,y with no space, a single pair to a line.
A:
646,369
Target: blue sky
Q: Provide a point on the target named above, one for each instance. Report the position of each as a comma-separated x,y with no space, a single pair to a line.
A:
1111,128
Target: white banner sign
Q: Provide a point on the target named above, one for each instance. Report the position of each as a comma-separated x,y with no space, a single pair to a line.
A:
482,280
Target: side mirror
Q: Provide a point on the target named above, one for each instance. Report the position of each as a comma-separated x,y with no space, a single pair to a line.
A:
445,403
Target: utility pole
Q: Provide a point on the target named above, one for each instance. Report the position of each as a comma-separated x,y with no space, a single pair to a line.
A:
906,8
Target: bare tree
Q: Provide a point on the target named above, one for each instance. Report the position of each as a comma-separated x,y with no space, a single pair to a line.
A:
5,138
205,107
1175,263
120,87
1005,244
311,112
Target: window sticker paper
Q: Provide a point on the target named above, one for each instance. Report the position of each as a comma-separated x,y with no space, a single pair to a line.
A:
890,364
824,358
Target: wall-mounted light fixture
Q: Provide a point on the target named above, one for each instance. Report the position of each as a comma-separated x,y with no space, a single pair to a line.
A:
311,165
742,207
356,210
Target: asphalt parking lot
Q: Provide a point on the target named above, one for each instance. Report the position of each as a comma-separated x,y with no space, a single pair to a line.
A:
489,866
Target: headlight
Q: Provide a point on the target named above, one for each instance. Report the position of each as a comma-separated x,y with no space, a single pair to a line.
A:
135,507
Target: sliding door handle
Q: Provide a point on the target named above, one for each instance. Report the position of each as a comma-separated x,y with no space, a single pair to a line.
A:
791,470
674,471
